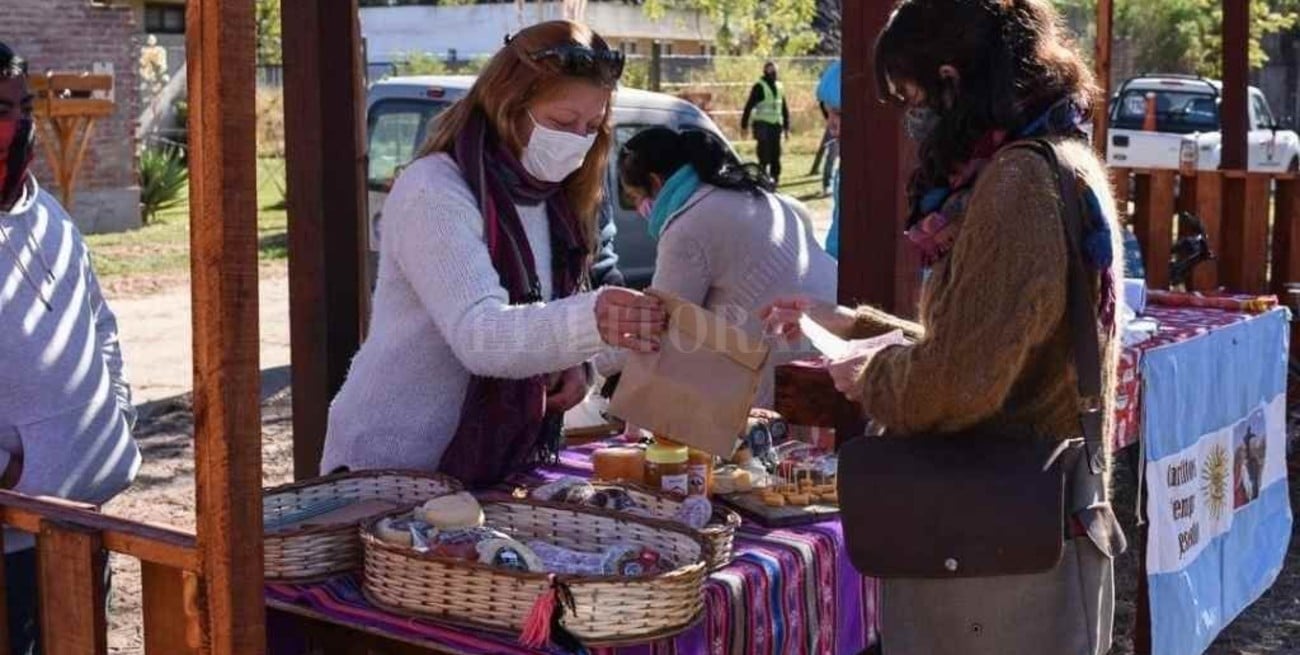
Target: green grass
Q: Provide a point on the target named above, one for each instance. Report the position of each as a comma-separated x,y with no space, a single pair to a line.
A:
796,159
162,248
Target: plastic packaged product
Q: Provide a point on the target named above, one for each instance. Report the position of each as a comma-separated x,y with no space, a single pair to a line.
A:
568,489
694,512
398,530
566,561
509,554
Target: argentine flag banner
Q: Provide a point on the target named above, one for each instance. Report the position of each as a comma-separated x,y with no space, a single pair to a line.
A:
1214,442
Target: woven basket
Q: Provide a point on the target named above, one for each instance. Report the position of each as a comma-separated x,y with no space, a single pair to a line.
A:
610,610
319,551
719,535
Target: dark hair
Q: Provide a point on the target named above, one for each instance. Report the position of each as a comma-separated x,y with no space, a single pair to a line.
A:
11,65
662,151
1013,60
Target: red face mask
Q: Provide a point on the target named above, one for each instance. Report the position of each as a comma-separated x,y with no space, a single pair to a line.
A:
16,152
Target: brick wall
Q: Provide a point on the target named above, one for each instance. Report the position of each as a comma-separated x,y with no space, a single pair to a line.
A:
74,35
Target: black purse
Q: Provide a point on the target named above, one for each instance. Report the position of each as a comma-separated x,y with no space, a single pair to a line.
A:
976,504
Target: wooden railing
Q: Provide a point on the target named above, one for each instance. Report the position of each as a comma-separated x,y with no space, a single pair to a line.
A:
72,541
1250,221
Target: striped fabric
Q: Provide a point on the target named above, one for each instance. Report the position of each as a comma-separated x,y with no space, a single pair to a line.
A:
789,592
1176,324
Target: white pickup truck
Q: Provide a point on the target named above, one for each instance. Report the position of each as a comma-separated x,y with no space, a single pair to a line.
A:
1186,113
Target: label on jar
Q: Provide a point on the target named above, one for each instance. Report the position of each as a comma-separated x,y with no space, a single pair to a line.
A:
675,483
697,479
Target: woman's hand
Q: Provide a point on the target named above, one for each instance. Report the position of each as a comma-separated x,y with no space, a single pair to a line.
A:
846,371
629,319
567,391
781,317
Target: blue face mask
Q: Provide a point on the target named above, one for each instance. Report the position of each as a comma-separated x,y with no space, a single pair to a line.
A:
919,123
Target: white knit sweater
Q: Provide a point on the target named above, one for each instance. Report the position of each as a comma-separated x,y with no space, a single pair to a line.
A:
440,315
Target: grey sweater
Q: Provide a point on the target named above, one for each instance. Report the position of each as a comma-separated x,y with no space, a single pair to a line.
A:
732,252
64,403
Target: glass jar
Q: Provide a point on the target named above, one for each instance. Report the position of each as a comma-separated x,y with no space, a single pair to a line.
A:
666,467
699,473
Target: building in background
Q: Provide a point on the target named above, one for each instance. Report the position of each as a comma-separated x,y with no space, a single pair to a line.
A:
459,32
98,37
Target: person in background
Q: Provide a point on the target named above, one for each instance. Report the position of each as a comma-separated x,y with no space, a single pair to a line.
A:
725,240
482,316
771,119
65,406
828,95
993,351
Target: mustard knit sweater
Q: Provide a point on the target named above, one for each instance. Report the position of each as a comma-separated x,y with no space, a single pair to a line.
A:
993,344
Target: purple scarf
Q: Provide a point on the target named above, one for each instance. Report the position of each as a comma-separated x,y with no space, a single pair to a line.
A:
504,427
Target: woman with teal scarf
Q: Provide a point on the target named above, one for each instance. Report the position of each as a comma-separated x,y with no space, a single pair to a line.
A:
725,241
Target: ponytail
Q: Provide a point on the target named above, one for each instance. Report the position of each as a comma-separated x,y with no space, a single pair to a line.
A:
662,151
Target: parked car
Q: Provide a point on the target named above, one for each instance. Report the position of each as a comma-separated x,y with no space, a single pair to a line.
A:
401,109
1187,126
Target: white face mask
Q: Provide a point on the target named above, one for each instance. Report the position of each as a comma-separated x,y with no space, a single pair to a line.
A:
552,155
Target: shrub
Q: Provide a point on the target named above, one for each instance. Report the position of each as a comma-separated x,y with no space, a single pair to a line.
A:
163,180
270,122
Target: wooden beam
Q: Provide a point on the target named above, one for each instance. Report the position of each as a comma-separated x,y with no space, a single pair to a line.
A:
1102,47
1286,238
146,542
223,254
173,618
876,267
70,572
1153,221
1236,74
324,143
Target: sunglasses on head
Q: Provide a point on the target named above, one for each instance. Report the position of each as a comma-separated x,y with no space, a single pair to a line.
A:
605,66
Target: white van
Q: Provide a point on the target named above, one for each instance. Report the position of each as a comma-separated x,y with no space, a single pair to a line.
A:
399,112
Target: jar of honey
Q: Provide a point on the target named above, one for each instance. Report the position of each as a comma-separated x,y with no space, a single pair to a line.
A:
667,467
699,473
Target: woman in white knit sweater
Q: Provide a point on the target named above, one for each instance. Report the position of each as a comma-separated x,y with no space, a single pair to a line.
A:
725,241
482,321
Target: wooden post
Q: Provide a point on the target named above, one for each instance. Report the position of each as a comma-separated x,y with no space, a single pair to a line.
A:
1153,222
876,267
1202,194
223,255
170,608
1236,72
324,144
70,572
656,75
1101,113
1286,237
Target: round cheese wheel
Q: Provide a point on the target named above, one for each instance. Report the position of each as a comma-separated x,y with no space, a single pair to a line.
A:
459,510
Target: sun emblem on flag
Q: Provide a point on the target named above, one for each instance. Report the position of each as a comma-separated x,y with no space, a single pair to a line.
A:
1214,481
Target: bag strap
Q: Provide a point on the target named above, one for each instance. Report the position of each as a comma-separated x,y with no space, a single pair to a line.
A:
1081,309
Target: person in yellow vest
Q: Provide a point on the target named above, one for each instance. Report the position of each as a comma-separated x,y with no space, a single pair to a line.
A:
771,116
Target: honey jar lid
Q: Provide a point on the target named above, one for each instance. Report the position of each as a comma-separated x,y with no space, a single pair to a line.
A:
666,453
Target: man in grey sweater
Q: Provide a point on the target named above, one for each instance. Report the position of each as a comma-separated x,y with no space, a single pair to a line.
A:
65,408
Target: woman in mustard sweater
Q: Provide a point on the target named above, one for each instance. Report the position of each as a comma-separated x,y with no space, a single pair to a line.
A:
992,349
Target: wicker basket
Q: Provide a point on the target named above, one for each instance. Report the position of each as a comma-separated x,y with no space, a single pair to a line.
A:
719,535
610,610
319,551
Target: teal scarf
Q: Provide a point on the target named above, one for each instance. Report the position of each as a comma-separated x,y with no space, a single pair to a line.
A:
672,197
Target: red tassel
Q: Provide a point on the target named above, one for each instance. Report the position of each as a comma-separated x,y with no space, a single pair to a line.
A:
537,625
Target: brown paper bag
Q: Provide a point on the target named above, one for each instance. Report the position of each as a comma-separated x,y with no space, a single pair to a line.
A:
699,387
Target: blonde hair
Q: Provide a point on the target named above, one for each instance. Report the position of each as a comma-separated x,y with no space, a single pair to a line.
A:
502,92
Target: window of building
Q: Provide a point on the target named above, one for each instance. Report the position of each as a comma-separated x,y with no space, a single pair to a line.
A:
164,19
628,47
667,49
